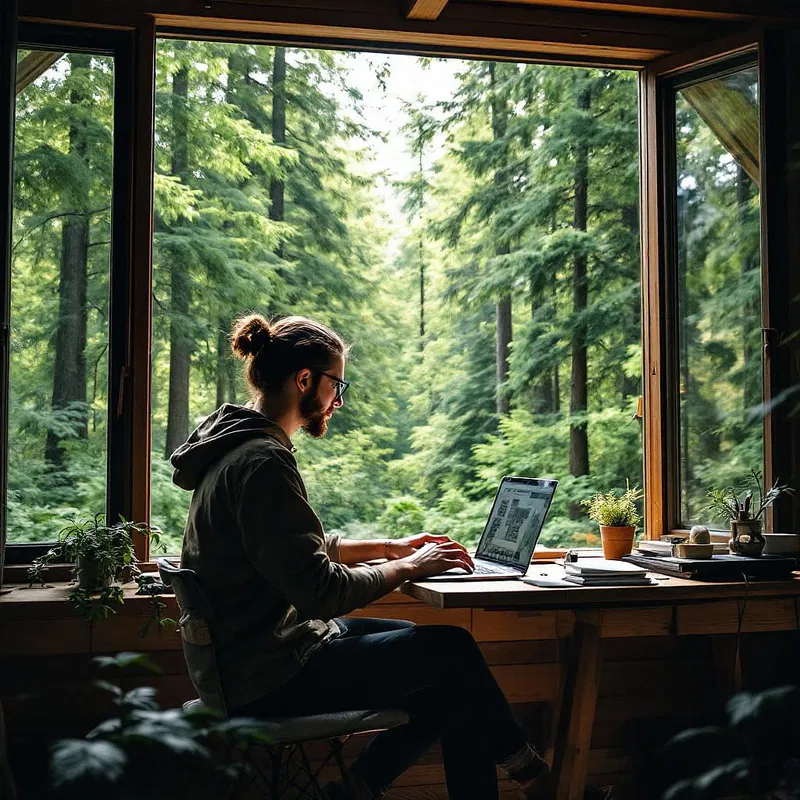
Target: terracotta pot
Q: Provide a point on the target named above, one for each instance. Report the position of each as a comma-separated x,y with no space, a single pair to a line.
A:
617,541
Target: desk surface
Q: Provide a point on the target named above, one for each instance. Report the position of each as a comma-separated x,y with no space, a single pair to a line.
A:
516,594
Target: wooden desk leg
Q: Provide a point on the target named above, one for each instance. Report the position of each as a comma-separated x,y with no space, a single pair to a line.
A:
727,665
578,705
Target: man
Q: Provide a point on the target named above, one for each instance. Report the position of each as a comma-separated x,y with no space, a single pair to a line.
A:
279,585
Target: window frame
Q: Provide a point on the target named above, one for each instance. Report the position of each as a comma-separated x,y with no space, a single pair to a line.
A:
671,85
660,81
120,478
129,482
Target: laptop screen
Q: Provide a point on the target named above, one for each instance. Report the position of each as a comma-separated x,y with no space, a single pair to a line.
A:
516,520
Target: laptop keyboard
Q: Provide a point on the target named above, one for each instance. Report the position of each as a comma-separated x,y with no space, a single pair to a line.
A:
480,569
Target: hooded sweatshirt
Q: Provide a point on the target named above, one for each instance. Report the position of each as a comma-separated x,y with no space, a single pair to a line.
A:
269,571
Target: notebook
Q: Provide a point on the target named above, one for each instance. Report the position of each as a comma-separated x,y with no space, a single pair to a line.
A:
588,572
600,572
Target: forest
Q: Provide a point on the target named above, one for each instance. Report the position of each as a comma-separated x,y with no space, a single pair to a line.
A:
488,281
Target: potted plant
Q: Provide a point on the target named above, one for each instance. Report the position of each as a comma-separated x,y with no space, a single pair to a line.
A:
618,517
743,509
102,555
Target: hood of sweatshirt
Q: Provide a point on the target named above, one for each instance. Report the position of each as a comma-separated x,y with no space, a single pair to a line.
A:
228,427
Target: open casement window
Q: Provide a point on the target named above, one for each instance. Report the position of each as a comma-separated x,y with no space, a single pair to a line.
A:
707,280
65,285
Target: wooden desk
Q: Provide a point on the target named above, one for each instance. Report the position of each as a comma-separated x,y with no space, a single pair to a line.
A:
586,615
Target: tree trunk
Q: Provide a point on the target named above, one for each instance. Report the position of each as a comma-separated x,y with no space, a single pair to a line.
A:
421,297
69,369
179,343
578,436
556,390
277,189
421,265
503,306
503,312
630,218
541,391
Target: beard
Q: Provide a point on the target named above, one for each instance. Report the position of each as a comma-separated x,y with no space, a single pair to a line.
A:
315,417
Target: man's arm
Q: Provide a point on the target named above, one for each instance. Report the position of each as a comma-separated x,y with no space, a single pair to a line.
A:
353,551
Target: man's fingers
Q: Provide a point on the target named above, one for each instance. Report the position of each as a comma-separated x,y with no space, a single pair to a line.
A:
454,547
455,563
432,537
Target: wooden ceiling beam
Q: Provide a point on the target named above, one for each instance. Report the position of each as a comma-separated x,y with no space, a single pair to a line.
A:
466,28
425,9
733,10
33,65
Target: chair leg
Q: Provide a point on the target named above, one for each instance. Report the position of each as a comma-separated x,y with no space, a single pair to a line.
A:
336,746
313,782
277,770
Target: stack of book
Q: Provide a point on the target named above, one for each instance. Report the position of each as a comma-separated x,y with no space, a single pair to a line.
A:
599,572
664,548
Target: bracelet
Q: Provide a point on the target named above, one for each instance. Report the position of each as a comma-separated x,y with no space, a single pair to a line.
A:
385,549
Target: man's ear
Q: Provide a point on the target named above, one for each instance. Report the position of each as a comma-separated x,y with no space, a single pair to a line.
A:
303,379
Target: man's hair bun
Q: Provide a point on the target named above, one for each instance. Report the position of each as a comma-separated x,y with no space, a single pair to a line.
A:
250,336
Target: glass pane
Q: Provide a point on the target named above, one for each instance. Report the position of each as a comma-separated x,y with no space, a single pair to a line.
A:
59,291
425,209
719,268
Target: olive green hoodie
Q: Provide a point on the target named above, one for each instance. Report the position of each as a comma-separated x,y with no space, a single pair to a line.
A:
270,572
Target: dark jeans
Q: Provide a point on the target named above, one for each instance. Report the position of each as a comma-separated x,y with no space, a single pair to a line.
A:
435,673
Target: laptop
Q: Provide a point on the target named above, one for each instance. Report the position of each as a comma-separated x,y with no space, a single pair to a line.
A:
518,513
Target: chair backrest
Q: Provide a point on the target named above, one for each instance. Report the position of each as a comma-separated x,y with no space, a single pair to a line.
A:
197,626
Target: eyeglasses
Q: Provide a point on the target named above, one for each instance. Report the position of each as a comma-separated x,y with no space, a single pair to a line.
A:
341,386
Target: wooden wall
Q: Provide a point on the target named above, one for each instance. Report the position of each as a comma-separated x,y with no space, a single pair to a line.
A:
664,668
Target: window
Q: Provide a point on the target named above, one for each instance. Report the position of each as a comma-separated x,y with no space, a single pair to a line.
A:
60,273
471,227
719,285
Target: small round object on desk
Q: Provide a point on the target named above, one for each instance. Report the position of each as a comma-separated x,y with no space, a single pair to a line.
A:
699,535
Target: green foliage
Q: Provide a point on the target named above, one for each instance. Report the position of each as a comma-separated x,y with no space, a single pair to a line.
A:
754,754
618,511
145,751
488,199
404,516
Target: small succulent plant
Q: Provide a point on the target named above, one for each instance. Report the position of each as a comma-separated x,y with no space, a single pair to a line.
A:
745,504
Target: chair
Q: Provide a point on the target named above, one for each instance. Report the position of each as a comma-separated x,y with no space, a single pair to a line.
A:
291,769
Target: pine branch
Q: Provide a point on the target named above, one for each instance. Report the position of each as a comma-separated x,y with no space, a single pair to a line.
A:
57,215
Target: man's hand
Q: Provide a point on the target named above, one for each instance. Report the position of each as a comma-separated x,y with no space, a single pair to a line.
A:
435,558
402,548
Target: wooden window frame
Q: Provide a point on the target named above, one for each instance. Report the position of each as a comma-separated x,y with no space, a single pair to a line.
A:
459,35
121,482
769,50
